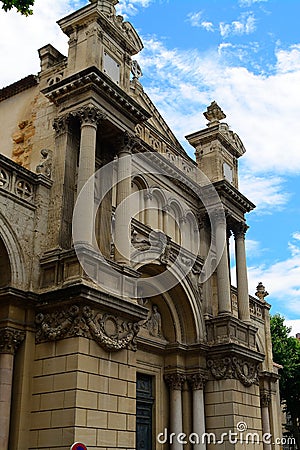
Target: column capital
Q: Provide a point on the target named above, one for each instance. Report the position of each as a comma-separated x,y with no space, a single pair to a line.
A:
197,380
127,142
60,124
239,230
175,380
89,115
10,340
265,398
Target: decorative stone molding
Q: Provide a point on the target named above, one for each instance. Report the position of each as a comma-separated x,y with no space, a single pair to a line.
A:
256,310
265,398
175,380
232,367
10,340
197,380
109,331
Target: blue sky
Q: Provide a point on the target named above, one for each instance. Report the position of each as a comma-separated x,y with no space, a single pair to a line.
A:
245,54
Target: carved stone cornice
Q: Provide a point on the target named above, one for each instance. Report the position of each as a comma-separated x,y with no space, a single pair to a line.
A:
90,115
10,340
197,380
241,369
265,398
109,331
92,79
175,380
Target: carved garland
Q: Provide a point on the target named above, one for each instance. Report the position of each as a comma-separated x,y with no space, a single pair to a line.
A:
232,367
110,332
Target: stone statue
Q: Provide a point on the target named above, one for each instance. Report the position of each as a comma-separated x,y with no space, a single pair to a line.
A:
153,324
45,166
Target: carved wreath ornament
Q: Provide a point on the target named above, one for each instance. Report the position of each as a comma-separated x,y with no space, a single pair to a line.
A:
233,367
110,332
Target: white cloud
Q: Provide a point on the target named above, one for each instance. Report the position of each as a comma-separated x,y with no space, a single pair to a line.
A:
195,18
130,7
245,25
263,109
295,325
250,2
282,281
208,26
20,37
265,192
288,60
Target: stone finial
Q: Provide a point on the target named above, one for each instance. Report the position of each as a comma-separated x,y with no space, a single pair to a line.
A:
261,292
214,114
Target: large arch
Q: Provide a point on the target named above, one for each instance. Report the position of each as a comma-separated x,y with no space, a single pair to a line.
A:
12,250
184,306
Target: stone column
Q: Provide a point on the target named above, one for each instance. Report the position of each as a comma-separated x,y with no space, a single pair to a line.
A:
265,399
203,253
197,382
175,381
241,272
223,278
10,339
166,224
90,118
62,192
148,210
123,214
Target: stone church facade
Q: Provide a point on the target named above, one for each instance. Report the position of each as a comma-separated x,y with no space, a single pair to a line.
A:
119,326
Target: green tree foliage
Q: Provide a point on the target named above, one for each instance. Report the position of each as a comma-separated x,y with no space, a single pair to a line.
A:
22,6
286,352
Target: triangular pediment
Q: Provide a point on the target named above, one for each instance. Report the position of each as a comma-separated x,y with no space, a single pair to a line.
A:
156,121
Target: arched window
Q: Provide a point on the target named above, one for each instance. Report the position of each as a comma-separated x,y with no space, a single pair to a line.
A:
175,221
5,270
138,187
